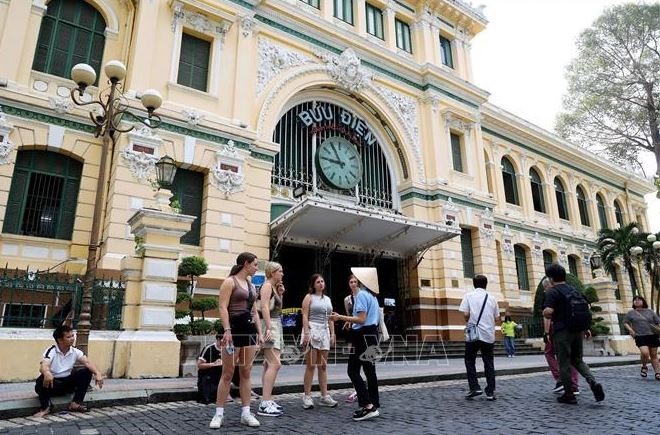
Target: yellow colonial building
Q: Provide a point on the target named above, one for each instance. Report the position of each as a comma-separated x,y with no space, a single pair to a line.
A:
322,134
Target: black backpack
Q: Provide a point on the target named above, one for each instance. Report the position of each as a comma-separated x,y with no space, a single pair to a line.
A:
578,314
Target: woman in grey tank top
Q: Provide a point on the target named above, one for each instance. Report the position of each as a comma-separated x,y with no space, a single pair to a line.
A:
318,337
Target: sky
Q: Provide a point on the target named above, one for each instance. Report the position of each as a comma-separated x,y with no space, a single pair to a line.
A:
522,56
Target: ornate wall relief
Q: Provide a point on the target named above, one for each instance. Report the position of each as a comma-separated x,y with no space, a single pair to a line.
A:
6,146
346,70
537,249
193,117
507,241
227,174
487,225
451,213
142,152
273,59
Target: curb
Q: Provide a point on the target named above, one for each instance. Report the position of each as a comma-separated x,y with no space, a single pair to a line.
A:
27,407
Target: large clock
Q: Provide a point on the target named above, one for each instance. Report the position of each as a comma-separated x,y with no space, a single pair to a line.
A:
338,162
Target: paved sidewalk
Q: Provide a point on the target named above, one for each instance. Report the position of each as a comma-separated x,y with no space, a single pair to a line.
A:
19,399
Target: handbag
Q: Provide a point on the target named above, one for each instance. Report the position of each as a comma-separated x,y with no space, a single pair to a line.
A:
471,331
654,328
383,333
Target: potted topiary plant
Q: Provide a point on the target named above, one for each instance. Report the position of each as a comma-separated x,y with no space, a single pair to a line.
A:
192,267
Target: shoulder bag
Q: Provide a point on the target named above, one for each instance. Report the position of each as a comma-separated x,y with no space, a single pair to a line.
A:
471,332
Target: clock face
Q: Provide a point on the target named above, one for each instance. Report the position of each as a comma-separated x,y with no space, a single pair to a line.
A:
339,163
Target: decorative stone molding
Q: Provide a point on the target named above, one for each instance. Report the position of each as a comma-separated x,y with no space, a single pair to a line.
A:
346,70
227,174
537,249
451,213
431,99
487,225
247,25
193,117
586,255
142,151
198,21
273,59
507,240
140,164
563,256
6,146
406,109
452,122
60,105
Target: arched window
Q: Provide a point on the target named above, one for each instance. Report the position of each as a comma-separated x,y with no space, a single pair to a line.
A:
537,191
602,215
43,195
618,213
72,31
582,206
548,258
573,265
521,267
560,193
509,177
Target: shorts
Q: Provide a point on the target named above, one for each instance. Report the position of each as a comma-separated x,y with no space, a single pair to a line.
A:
647,340
277,338
319,336
243,330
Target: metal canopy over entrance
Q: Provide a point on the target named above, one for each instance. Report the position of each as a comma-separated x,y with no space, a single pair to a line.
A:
318,223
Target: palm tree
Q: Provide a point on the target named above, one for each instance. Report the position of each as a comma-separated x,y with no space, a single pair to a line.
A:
615,244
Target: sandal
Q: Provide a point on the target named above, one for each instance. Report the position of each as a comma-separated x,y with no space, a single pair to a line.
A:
644,371
78,408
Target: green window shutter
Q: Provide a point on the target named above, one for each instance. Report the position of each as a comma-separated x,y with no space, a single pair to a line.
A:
560,194
43,195
547,259
602,216
456,152
537,191
467,253
509,180
71,32
194,62
189,190
521,268
15,204
68,209
374,18
572,266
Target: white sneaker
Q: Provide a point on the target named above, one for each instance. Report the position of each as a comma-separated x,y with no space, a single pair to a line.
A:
308,403
268,409
216,422
278,407
328,401
250,420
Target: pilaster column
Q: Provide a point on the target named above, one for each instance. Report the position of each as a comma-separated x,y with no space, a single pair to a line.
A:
18,39
605,289
389,27
147,347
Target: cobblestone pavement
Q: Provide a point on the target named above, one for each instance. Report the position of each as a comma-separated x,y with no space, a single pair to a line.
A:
525,404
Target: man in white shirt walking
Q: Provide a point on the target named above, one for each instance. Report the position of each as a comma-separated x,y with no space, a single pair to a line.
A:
480,308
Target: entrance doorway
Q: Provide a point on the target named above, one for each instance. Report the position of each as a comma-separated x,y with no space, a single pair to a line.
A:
300,263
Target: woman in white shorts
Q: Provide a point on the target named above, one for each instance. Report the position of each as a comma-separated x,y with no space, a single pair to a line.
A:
270,304
318,337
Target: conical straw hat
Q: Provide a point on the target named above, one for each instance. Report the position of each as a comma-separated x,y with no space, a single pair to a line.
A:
368,276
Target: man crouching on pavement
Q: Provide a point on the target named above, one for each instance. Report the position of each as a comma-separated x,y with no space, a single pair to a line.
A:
57,377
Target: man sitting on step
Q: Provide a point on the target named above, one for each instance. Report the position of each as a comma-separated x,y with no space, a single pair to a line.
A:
57,376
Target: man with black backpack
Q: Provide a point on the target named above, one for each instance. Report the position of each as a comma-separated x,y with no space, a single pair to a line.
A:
571,320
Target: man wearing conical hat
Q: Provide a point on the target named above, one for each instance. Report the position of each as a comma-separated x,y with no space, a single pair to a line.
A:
364,336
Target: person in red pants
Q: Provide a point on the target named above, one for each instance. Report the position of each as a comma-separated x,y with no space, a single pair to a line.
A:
57,377
550,355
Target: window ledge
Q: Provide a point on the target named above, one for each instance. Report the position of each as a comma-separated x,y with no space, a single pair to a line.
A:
463,175
32,239
182,88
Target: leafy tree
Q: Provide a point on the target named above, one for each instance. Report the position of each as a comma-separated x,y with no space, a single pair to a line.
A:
615,244
613,100
204,304
597,326
192,267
